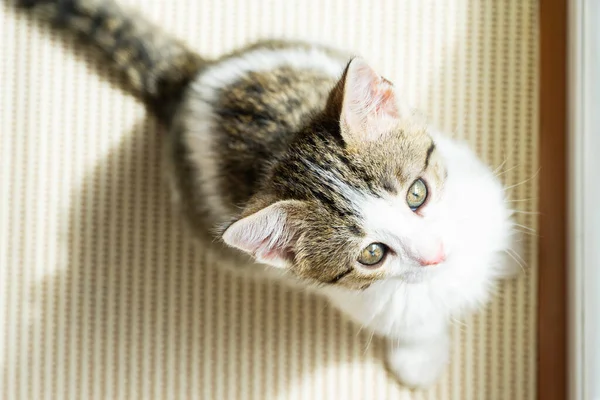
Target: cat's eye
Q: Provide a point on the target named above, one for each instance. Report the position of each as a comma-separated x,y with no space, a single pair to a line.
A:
372,254
417,194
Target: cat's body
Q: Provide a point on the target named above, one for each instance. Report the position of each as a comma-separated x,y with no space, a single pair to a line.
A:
304,160
241,113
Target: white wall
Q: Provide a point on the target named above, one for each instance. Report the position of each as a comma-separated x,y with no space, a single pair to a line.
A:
585,199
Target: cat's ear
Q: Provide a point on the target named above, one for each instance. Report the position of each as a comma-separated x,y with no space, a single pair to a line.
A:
269,235
367,103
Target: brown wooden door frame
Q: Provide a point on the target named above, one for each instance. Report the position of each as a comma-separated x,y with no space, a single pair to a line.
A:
552,277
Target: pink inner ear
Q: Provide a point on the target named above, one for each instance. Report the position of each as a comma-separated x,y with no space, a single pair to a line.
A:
385,100
269,251
369,102
267,235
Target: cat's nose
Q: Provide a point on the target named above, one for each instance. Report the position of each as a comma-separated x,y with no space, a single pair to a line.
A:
438,258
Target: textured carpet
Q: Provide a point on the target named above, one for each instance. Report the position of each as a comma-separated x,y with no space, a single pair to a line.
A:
105,296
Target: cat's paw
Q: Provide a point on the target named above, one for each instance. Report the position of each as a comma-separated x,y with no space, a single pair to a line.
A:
418,366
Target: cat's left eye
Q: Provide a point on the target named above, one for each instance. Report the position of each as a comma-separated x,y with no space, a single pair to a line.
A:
372,254
417,194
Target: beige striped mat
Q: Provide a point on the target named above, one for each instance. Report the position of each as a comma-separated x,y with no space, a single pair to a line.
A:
104,296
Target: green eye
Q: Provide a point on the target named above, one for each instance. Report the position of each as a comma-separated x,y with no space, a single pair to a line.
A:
417,194
372,254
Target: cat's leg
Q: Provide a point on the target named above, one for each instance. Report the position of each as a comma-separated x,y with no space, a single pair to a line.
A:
418,348
419,357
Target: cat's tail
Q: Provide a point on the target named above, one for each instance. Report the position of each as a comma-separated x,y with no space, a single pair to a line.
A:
157,67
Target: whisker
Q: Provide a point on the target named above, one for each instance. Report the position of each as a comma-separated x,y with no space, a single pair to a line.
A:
363,326
527,233
527,212
521,200
322,310
461,325
522,182
359,330
500,166
524,227
517,261
369,343
458,322
505,171
518,256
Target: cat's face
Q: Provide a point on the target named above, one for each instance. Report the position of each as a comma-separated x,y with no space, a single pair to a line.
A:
372,196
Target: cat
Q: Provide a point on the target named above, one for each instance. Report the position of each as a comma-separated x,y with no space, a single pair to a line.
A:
305,159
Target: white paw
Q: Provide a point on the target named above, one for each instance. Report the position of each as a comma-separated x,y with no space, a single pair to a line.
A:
418,366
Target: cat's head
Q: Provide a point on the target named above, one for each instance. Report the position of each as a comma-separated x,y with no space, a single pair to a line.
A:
366,194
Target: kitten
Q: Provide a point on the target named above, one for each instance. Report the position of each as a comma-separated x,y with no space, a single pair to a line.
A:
307,160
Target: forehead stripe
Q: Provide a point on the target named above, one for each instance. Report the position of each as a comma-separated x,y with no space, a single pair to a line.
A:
429,151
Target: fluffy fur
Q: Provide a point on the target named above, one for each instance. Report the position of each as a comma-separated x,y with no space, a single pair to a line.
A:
301,157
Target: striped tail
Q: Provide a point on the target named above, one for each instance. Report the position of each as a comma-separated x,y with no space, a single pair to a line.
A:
156,66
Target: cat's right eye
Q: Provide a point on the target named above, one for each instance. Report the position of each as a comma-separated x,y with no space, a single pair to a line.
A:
372,254
417,194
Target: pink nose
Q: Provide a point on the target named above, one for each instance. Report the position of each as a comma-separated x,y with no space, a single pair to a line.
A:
440,257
